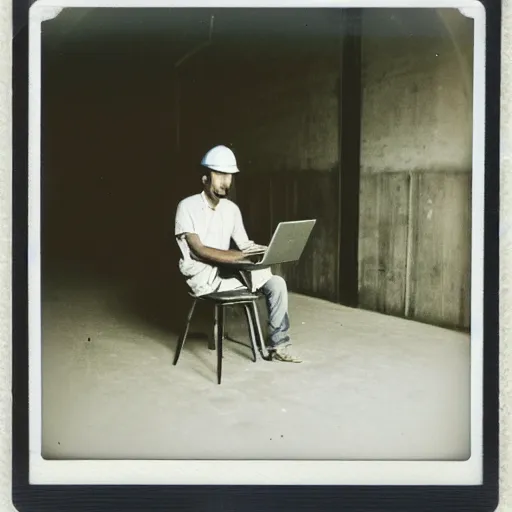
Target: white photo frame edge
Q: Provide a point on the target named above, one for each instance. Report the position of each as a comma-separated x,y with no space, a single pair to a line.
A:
189,472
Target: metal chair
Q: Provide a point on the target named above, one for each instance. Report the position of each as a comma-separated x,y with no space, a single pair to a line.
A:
221,300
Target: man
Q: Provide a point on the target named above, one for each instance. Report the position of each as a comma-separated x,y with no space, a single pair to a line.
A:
205,225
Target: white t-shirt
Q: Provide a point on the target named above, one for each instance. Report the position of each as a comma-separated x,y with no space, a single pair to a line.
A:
215,227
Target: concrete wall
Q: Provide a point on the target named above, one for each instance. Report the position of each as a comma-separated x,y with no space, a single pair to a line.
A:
109,180
416,173
280,114
124,131
106,159
122,139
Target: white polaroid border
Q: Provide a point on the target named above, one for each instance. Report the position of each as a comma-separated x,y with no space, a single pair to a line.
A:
228,472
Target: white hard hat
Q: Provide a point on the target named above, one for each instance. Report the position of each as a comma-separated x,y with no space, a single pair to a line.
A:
220,159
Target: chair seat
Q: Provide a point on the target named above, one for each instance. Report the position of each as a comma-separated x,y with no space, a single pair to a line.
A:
241,295
222,300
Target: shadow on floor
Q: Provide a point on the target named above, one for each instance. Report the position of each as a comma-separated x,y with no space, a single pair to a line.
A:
153,302
166,308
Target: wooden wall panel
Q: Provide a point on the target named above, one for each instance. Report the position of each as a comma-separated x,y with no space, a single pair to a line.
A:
369,242
440,269
316,196
297,196
438,222
253,198
384,200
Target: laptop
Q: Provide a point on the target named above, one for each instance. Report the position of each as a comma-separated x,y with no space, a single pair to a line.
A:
287,244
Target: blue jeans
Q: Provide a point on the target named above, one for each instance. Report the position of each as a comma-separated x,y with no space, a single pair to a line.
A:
276,297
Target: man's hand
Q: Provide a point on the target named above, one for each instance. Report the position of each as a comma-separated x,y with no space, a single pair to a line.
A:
204,253
254,248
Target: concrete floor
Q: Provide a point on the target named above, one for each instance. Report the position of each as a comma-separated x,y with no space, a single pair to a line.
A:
371,386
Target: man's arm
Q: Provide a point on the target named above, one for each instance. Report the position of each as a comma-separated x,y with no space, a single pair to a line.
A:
185,228
204,252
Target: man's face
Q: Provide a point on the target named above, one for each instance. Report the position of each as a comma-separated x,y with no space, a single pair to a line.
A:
219,184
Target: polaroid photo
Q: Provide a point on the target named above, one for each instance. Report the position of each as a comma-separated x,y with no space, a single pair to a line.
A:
260,265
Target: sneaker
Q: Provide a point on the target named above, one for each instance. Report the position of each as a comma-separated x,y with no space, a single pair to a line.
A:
285,355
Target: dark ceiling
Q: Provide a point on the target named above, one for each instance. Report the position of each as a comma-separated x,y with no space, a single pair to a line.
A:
177,30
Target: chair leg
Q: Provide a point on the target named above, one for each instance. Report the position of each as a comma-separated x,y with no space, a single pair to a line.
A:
252,334
183,337
212,338
222,323
218,323
219,320
261,342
